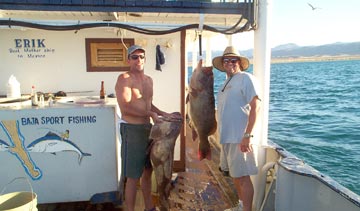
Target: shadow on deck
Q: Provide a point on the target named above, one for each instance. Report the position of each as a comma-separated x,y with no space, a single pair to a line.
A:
201,187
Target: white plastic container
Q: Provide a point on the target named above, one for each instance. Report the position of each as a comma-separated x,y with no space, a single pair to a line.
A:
13,88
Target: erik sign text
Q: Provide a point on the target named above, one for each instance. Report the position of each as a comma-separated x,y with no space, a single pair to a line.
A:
31,48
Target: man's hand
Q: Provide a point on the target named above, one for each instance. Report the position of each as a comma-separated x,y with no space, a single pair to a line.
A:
245,145
154,116
173,116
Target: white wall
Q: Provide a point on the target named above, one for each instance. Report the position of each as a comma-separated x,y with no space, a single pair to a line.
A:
64,69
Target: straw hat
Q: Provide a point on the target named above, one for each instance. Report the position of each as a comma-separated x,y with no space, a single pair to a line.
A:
231,52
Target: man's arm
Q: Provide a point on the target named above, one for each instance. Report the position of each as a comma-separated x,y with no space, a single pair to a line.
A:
157,110
254,108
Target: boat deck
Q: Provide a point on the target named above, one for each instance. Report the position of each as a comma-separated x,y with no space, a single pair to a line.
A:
200,187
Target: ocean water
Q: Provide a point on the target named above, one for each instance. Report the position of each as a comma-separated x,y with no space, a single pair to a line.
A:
315,115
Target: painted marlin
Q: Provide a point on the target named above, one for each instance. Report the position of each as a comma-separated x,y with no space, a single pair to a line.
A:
53,143
4,146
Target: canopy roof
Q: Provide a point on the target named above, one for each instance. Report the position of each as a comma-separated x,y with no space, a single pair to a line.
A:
223,17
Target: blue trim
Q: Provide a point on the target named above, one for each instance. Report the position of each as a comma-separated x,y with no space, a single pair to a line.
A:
130,6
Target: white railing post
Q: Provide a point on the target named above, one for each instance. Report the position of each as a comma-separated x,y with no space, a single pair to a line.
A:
261,61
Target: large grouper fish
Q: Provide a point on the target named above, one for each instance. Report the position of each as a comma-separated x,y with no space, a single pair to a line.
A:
164,134
201,108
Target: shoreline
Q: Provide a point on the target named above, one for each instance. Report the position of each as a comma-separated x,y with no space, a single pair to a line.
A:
306,59
314,59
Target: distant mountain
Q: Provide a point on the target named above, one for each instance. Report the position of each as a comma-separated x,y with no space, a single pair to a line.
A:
292,50
335,49
288,46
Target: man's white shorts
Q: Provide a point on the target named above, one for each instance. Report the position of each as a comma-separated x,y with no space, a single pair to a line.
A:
239,163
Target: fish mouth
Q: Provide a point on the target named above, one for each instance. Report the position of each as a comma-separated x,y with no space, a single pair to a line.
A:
208,71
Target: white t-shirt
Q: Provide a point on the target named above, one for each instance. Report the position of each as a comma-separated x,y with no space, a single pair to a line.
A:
233,106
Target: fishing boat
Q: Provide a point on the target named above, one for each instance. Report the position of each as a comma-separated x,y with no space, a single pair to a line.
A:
71,46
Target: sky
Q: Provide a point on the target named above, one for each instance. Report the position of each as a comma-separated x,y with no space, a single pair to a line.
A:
294,21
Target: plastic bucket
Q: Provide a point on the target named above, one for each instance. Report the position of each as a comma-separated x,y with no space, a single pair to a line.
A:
18,201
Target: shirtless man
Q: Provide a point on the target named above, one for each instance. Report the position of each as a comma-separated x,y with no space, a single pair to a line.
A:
134,92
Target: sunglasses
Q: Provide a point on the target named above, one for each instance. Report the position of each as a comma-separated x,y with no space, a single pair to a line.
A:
226,61
135,57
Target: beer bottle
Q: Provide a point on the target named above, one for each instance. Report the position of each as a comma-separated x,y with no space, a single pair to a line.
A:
34,97
102,91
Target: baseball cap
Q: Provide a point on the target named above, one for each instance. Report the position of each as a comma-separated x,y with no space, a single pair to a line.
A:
133,48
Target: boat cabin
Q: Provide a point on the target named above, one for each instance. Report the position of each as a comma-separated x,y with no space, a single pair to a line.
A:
70,47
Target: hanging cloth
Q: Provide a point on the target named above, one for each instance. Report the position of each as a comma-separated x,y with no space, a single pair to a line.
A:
160,58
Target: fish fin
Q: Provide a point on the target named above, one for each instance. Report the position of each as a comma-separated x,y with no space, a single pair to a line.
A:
51,134
194,134
190,122
82,155
187,119
214,128
193,92
80,159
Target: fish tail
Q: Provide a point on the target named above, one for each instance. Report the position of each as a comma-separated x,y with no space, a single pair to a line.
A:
204,148
204,155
